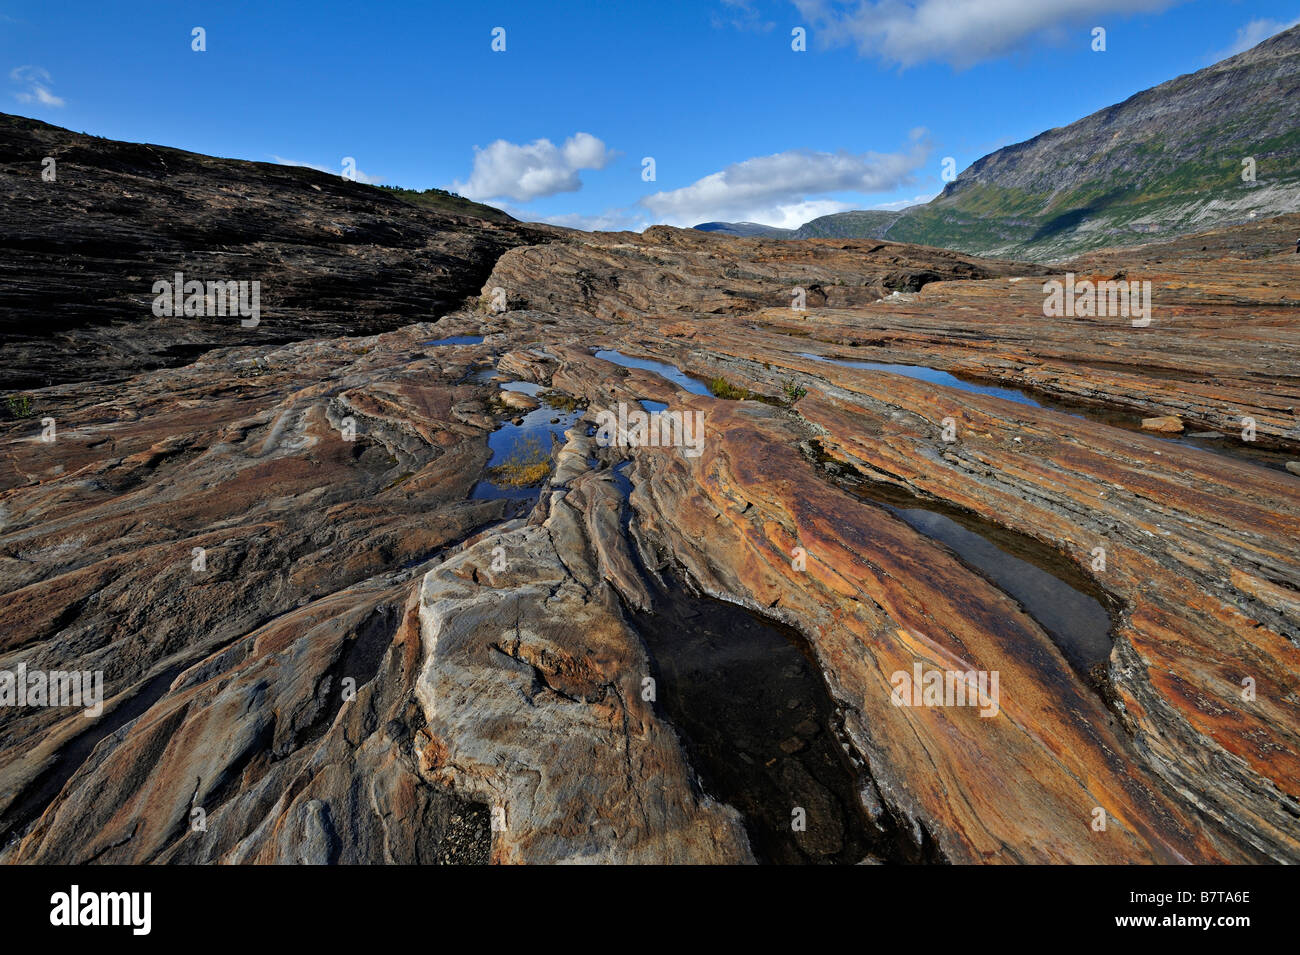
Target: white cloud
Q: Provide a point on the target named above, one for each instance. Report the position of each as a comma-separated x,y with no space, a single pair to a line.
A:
336,171
782,190
506,170
959,32
611,220
606,222
905,203
614,221
1252,34
741,15
794,214
37,84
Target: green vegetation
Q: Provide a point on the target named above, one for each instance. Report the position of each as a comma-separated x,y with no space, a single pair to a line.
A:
19,406
793,390
562,402
722,388
441,200
404,476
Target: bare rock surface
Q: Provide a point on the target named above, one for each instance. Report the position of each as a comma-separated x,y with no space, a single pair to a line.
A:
327,637
332,256
532,691
1169,424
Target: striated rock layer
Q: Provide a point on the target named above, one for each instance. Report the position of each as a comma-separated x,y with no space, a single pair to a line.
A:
381,657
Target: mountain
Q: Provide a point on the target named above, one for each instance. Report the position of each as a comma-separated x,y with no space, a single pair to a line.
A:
746,230
865,224
1165,162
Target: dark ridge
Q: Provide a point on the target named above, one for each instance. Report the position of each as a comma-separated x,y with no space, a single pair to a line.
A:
79,256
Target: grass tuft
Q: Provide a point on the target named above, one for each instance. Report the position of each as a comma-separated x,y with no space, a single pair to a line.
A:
722,388
528,464
562,402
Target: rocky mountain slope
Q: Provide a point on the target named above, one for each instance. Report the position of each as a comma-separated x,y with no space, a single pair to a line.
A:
1167,161
867,224
336,624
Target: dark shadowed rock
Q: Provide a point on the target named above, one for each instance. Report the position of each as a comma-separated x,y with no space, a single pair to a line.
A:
333,257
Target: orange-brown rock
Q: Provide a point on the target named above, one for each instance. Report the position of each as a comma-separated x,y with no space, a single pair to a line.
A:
492,661
1170,424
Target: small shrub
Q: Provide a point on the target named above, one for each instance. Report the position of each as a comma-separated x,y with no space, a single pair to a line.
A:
722,388
19,406
793,390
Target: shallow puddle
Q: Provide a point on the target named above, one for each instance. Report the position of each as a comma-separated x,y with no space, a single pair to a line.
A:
932,375
1059,596
455,340
1224,445
663,369
760,728
757,723
528,443
1078,623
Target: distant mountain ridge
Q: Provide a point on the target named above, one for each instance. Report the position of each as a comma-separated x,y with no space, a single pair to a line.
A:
747,230
1165,162
864,224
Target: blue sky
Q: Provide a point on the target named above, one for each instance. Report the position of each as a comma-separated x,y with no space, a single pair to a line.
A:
556,126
